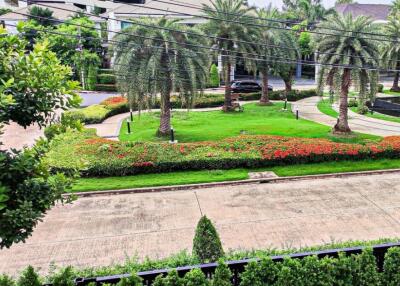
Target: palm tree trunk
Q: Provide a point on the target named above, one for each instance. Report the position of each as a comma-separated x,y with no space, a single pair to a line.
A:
228,98
264,100
396,86
288,85
165,109
342,125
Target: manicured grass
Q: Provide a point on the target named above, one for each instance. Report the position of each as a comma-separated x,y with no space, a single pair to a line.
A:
379,116
387,91
326,107
216,125
192,177
164,179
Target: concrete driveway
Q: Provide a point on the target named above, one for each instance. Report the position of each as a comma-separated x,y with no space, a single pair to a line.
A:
102,230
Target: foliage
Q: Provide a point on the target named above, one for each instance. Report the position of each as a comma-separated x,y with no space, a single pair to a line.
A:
33,85
172,279
65,277
227,24
132,280
342,269
207,245
366,269
36,83
380,87
87,62
392,267
4,11
41,16
29,277
222,275
66,123
214,76
146,67
346,62
353,102
196,277
6,280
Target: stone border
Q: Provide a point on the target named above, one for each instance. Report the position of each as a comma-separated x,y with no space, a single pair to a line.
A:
231,183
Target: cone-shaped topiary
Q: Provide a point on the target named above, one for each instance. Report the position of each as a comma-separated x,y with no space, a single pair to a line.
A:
29,278
207,246
222,276
214,76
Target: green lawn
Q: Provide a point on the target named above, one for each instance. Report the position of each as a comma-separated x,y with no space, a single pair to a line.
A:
325,107
192,177
387,91
217,125
379,116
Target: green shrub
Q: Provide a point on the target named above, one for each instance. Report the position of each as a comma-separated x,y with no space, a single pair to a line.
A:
290,273
172,279
362,109
214,76
196,277
391,267
89,115
353,102
367,271
105,87
206,243
106,79
260,273
65,277
91,79
6,280
66,123
222,275
29,277
133,280
380,87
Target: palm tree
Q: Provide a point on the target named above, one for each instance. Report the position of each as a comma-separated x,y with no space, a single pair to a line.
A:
155,62
345,58
227,23
391,50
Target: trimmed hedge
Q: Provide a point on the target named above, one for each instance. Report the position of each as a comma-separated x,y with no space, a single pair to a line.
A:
98,113
352,270
97,157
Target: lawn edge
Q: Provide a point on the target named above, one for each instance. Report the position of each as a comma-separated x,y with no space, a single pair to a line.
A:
229,183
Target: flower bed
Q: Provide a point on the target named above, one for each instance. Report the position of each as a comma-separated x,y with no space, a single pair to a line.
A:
95,156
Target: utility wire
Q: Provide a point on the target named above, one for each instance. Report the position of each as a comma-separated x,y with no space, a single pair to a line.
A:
279,59
305,62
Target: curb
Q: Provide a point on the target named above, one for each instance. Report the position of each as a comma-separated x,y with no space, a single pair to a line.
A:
231,183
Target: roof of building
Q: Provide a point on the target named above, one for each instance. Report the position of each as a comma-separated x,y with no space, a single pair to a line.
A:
173,8
57,13
377,12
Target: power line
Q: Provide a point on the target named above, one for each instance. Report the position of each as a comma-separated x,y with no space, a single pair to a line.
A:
280,60
216,49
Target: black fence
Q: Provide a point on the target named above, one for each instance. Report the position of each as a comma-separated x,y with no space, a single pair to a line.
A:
238,266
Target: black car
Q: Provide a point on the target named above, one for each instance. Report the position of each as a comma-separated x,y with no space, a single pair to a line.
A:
247,86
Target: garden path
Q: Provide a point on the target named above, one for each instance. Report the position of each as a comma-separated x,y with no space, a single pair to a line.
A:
359,123
106,229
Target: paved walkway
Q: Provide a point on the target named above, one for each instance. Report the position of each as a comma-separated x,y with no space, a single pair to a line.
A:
111,126
359,123
102,230
15,136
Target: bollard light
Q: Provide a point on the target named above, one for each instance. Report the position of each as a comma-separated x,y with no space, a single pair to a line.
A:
285,108
130,110
128,123
172,135
297,113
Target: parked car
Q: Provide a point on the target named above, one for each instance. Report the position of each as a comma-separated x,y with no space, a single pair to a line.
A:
247,86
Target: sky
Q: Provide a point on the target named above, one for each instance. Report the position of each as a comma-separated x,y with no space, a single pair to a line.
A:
327,3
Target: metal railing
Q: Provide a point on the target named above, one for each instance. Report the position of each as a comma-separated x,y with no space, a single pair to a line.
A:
238,266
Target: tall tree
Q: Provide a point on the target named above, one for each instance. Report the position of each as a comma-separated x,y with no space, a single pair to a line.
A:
268,50
32,86
391,50
41,16
158,61
346,58
228,21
